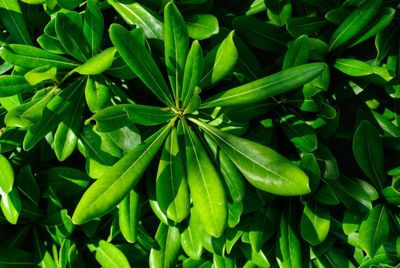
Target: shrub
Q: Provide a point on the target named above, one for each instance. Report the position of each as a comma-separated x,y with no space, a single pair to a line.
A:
199,133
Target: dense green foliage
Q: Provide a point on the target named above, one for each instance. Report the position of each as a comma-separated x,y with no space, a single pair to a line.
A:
196,133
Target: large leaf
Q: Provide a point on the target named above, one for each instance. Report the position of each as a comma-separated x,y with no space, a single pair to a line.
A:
355,23
266,87
32,57
263,167
172,189
165,250
140,61
93,25
374,230
13,84
135,14
109,190
368,151
176,42
206,188
12,18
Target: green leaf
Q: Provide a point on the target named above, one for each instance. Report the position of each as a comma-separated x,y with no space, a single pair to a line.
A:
129,215
298,52
13,84
11,205
69,4
6,176
41,74
206,188
299,133
93,25
27,185
334,258
69,29
315,223
12,18
98,63
171,188
219,62
141,62
192,73
354,23
261,35
263,226
263,167
136,15
378,24
374,230
53,113
289,252
190,240
368,151
359,68
97,93
126,138
165,250
32,57
176,42
109,190
266,87
50,44
201,26
66,136
108,255
305,25
15,257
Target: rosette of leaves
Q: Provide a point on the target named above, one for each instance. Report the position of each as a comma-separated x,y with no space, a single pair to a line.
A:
201,171
49,86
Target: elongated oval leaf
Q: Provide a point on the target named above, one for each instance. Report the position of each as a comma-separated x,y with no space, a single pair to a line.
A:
206,188
108,255
11,205
374,230
171,187
128,216
135,14
190,240
109,190
263,167
14,84
166,249
176,42
355,23
32,57
266,87
305,25
368,151
6,176
93,25
97,93
315,223
219,62
12,18
192,73
97,64
140,61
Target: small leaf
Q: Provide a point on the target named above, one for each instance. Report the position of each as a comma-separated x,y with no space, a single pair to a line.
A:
190,240
201,26
11,205
41,74
93,25
135,14
315,223
129,215
108,255
368,151
298,52
140,61
97,93
165,250
6,176
354,23
109,190
264,168
374,230
98,63
192,73
266,87
206,188
219,62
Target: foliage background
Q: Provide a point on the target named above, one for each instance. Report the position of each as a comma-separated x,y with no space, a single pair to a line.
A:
91,89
